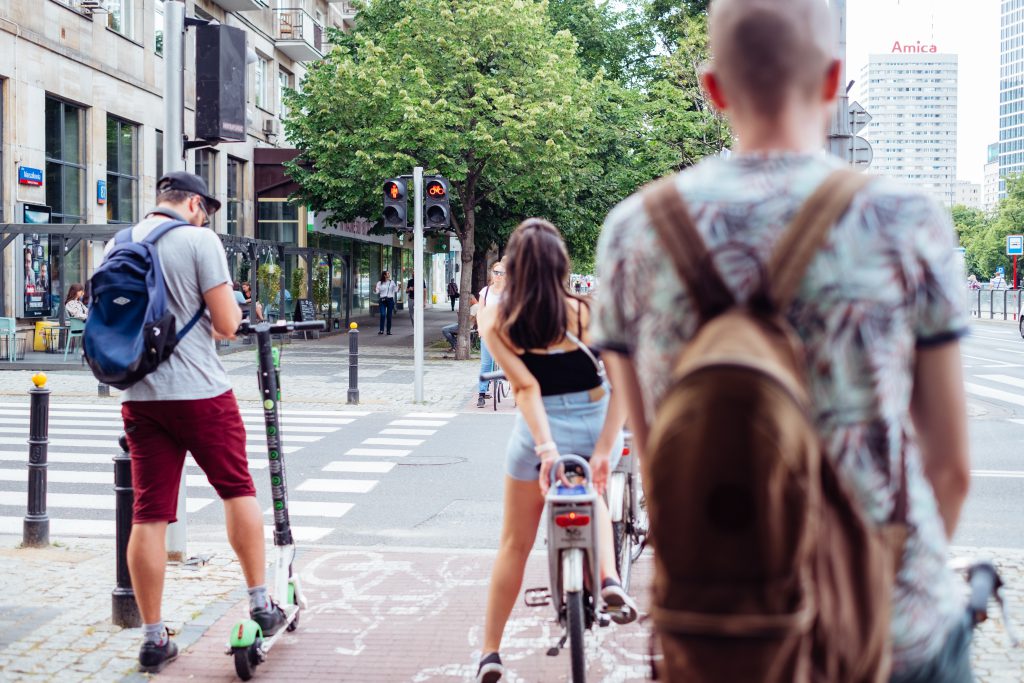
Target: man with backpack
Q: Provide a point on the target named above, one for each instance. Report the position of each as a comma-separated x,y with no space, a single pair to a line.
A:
184,403
786,334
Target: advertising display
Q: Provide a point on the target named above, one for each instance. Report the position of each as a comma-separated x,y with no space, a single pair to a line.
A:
35,273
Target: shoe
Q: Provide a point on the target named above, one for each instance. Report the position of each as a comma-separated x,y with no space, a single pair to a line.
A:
153,658
270,620
481,401
389,334
490,670
488,397
381,332
619,606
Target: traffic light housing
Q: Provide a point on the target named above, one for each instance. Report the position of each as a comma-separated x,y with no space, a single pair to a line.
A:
436,210
396,204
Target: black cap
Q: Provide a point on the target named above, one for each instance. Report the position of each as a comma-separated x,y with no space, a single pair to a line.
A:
188,182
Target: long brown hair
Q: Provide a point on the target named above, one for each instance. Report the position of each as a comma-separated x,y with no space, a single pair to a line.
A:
534,312
73,291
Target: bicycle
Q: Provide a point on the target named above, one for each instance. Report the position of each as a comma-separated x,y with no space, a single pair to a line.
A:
629,519
498,385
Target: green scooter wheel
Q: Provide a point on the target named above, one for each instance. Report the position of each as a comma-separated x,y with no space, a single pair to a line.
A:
246,660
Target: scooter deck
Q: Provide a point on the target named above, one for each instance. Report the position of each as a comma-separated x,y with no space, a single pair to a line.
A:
291,612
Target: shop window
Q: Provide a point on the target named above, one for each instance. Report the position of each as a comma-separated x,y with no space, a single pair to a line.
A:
65,161
235,196
122,170
277,220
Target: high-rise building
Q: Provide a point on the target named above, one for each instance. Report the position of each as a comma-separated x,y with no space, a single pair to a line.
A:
1011,91
967,194
990,190
912,96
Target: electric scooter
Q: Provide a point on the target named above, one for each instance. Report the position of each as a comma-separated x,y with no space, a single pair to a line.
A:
246,644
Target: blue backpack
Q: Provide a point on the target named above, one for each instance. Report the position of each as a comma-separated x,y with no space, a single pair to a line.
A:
130,331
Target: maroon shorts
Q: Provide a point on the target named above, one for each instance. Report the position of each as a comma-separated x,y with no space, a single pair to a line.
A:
159,434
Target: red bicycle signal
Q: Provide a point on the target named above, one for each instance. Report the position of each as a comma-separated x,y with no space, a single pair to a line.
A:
436,189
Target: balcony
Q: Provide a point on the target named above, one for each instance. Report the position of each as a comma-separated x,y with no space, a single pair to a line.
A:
297,35
345,13
240,5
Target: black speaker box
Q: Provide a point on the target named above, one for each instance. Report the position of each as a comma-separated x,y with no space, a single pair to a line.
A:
220,83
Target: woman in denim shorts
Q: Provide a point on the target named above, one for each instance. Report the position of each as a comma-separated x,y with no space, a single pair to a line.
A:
538,335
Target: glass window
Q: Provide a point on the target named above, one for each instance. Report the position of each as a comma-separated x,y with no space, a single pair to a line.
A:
119,16
158,26
65,161
122,170
1,150
235,196
277,220
206,168
284,81
159,154
262,67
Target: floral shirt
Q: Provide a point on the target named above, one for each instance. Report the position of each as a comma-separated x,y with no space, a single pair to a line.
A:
887,282
76,309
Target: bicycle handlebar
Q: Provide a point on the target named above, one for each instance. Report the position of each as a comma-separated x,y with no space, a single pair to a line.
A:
280,327
491,376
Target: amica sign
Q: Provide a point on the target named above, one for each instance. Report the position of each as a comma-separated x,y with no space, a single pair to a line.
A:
905,48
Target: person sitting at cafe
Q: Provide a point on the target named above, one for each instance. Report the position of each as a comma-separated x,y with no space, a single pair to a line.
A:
450,331
74,306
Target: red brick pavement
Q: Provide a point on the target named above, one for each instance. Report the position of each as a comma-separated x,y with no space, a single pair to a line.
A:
407,615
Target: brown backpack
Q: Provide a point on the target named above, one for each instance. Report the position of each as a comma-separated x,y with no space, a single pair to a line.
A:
765,569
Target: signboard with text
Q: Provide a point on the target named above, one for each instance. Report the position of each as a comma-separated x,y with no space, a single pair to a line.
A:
1015,245
30,176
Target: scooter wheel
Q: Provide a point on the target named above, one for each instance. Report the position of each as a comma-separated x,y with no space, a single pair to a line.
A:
246,659
294,623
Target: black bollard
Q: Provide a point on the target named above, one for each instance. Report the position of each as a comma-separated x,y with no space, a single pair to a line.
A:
124,608
353,364
37,523
103,390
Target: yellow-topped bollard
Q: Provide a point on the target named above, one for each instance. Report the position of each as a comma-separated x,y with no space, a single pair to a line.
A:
39,379
353,326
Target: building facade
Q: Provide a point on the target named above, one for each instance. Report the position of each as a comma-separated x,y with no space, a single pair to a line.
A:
967,194
81,119
990,189
1011,91
912,97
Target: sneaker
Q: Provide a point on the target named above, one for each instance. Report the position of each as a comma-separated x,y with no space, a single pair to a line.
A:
153,658
619,606
490,670
381,332
481,401
270,620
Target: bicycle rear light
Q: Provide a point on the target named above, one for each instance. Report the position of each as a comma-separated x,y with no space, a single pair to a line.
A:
572,519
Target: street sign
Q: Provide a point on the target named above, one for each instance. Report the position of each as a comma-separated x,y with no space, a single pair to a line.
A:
859,117
1015,245
862,153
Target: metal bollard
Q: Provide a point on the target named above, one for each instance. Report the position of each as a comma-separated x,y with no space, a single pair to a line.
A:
353,364
36,532
103,390
124,608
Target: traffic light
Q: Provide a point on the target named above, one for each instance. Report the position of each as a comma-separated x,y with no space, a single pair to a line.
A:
396,204
436,212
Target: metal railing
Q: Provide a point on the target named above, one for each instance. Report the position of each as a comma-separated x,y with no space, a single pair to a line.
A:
994,304
295,23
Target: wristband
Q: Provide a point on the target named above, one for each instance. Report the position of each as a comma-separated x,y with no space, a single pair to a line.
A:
545,447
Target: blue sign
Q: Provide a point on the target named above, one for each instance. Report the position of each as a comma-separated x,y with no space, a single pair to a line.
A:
30,176
1015,245
101,191
1001,270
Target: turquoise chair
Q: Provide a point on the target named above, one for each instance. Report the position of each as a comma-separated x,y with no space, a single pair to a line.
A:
8,333
76,328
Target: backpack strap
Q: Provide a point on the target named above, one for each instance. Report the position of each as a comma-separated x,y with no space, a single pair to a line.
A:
807,233
192,323
674,225
163,229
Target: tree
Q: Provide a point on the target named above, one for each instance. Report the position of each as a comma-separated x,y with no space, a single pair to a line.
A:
481,92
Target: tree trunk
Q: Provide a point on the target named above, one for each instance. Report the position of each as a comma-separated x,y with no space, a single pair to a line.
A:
467,237
480,275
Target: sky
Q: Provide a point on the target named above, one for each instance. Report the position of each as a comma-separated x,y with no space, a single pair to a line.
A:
968,29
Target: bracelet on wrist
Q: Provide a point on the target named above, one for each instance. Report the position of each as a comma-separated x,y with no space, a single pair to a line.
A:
546,447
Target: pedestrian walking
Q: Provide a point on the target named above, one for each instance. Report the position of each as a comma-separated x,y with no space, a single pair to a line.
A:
387,290
186,404
887,398
538,332
491,294
410,296
453,293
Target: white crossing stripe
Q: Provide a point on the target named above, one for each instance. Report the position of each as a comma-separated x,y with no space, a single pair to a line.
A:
108,445
55,476
311,508
83,500
338,485
1005,379
392,442
433,416
285,436
409,432
998,394
98,459
62,527
998,474
305,534
381,452
360,467
116,408
315,425
418,423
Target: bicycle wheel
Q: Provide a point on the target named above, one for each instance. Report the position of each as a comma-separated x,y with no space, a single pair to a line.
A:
574,607
622,533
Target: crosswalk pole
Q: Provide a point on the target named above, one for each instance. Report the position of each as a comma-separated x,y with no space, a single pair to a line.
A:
36,531
124,608
353,364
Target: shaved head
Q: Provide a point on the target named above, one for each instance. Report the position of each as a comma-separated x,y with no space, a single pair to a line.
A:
764,51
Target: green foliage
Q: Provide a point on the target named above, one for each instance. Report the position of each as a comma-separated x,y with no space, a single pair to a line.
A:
616,41
668,17
268,275
298,283
983,236
321,288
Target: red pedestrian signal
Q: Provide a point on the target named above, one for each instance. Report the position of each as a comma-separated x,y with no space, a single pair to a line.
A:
395,204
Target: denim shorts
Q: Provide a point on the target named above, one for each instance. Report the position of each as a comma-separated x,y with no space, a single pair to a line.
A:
575,422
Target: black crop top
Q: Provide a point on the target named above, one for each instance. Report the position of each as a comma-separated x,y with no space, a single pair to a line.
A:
562,372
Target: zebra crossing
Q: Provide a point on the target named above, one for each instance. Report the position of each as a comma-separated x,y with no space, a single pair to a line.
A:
83,437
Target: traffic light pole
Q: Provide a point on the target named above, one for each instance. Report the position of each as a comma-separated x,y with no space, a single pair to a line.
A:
174,160
418,287
840,138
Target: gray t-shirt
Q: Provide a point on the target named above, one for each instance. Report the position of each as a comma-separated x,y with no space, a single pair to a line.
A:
193,262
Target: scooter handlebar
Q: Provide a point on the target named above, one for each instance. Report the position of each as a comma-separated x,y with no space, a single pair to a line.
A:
280,327
491,376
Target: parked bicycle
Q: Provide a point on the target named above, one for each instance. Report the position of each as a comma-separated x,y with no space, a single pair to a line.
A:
498,384
629,519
